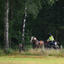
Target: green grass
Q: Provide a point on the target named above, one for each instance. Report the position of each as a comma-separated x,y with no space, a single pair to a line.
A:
27,59
32,56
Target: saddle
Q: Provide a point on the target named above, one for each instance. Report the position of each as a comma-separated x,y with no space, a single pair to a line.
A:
39,42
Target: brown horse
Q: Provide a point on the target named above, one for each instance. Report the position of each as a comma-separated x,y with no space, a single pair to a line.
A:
36,43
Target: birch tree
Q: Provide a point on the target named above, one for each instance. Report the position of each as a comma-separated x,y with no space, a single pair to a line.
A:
6,25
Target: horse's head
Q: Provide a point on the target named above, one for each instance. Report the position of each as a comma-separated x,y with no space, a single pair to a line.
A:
33,39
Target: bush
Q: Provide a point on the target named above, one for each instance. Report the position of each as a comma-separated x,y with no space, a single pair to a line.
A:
2,52
8,51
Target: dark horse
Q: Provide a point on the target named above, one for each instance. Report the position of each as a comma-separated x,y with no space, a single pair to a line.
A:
36,43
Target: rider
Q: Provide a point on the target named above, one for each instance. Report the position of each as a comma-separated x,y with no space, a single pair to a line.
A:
50,40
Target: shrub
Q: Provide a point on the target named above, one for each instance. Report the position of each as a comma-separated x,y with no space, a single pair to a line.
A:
8,51
2,52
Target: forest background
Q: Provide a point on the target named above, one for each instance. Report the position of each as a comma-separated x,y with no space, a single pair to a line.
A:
44,17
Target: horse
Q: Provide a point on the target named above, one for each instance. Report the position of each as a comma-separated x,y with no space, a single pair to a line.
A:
36,43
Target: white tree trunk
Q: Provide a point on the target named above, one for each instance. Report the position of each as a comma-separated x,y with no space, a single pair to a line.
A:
23,24
6,25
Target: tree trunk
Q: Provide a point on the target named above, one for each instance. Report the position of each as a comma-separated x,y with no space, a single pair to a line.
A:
23,29
6,25
11,17
23,25
60,34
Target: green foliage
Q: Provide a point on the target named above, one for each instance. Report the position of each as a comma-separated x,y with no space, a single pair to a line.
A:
8,51
1,21
2,52
51,2
49,19
33,7
27,36
11,31
18,37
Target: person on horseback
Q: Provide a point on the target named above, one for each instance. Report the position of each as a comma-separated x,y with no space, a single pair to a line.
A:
50,40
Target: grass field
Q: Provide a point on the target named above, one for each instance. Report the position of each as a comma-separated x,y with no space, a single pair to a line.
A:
27,59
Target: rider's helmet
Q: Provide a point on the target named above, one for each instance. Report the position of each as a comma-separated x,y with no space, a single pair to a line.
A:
50,34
